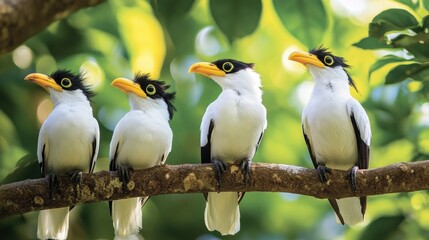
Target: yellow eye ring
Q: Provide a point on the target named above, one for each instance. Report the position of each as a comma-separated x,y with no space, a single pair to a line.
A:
227,67
150,89
329,60
66,83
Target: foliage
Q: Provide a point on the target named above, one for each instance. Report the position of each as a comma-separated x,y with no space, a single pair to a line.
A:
118,38
398,29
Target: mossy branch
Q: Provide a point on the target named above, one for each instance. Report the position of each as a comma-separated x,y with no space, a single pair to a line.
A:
22,19
32,195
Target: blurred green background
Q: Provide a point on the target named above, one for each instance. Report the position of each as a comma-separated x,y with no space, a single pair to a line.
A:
118,38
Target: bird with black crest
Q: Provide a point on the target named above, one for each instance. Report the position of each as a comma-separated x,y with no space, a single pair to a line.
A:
231,131
141,139
336,127
68,142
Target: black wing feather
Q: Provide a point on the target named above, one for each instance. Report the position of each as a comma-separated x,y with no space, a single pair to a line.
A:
363,157
92,162
206,156
112,167
42,163
310,151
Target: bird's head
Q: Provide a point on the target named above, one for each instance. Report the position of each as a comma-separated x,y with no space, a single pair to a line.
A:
323,64
62,81
229,74
145,88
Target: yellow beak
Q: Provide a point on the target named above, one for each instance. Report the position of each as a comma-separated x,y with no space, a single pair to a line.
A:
44,81
206,69
306,58
128,86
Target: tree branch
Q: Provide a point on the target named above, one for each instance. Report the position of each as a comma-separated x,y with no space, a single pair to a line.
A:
21,19
33,194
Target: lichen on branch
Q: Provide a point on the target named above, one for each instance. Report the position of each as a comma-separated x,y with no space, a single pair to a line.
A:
33,195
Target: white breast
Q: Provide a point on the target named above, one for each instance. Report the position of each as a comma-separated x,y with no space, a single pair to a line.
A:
67,135
144,137
239,121
330,131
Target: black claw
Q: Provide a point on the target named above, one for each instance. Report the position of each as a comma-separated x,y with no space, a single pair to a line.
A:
219,168
245,167
53,184
353,179
76,176
322,171
124,174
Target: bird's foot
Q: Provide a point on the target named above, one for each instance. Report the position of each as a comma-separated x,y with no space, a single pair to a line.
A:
53,184
76,176
353,179
245,167
219,168
322,171
124,173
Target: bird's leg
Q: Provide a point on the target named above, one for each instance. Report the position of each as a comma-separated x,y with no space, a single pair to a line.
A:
124,174
53,183
353,179
76,176
219,168
322,171
245,167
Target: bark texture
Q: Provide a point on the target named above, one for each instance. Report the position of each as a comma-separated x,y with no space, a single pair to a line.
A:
31,195
21,19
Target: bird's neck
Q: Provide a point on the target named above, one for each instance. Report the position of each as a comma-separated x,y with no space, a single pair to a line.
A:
70,98
330,81
149,105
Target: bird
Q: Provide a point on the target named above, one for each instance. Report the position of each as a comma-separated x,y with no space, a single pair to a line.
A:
335,126
231,131
68,141
141,139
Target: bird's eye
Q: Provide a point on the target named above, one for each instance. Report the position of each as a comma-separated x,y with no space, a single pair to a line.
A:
150,89
66,83
329,60
227,67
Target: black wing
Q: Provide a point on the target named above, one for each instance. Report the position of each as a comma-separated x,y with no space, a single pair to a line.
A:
92,160
206,156
363,157
42,163
310,151
112,167
363,148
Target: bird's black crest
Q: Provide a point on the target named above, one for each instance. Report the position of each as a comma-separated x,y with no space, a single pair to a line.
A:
144,81
76,79
237,65
322,53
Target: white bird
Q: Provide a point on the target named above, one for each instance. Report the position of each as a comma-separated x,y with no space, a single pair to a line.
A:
231,130
68,142
336,127
141,139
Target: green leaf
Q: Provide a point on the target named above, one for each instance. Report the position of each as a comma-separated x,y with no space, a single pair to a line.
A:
391,20
306,20
402,72
417,45
169,11
236,19
371,43
384,61
410,3
425,24
382,227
